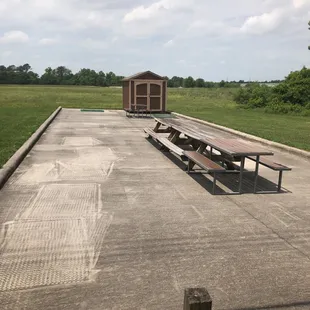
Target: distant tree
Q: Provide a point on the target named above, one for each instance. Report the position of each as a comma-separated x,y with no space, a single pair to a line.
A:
309,29
200,83
33,77
111,79
101,79
176,82
48,77
189,82
3,75
63,75
25,68
222,83
86,77
170,83
209,84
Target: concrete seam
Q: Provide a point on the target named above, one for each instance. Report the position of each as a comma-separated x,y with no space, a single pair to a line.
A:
277,145
12,164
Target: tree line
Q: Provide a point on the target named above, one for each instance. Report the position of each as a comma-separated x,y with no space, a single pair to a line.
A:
63,76
58,76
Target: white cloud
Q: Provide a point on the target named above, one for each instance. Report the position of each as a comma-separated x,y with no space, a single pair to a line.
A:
146,12
300,3
169,43
264,23
15,36
90,43
209,27
48,41
6,53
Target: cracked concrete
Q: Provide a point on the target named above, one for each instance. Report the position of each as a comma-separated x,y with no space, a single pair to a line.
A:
96,217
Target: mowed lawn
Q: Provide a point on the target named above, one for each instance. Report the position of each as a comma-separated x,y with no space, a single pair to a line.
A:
24,108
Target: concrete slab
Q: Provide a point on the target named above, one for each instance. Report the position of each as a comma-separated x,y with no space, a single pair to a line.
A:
96,217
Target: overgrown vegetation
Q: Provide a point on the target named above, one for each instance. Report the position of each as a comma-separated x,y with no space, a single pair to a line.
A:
290,96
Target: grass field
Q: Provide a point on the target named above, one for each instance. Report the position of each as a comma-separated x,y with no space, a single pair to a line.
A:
24,108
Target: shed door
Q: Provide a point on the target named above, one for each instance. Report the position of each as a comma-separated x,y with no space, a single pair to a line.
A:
155,98
148,95
141,95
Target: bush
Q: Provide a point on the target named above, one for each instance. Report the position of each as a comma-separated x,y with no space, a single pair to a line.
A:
254,95
290,96
280,107
307,106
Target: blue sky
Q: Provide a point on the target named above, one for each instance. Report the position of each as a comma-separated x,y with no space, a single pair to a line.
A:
223,39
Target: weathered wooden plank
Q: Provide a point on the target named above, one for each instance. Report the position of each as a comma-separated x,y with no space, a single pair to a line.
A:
151,133
169,145
270,164
204,162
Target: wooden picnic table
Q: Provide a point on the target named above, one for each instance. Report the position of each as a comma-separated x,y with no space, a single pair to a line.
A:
230,148
236,148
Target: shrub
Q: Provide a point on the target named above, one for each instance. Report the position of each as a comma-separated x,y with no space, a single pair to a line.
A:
254,95
280,107
290,96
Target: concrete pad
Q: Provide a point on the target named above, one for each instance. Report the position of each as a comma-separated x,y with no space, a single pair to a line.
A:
97,217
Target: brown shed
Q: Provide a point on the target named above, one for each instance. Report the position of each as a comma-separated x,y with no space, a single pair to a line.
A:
145,91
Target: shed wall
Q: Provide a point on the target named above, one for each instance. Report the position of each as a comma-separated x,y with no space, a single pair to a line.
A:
164,95
132,85
126,95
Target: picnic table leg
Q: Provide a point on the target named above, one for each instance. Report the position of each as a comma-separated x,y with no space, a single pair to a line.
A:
280,181
175,137
157,127
201,148
241,174
189,166
214,183
256,173
171,134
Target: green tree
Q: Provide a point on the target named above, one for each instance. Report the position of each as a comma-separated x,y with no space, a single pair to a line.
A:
175,82
200,83
48,77
63,75
3,75
222,83
86,77
101,79
189,82
209,84
309,29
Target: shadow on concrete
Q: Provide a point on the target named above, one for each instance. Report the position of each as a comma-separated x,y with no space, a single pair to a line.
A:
228,183
289,305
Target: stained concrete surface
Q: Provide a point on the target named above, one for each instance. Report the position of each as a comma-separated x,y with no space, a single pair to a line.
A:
96,217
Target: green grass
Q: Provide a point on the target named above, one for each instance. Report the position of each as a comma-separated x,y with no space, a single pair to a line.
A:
24,108
217,106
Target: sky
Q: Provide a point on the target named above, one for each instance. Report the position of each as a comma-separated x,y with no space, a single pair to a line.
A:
214,40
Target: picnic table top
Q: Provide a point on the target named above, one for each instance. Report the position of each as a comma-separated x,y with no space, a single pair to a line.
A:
182,127
232,147
236,147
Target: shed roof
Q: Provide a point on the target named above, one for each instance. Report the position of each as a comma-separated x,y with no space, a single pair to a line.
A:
137,75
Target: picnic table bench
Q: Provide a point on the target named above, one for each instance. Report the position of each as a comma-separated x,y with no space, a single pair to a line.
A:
273,166
205,163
